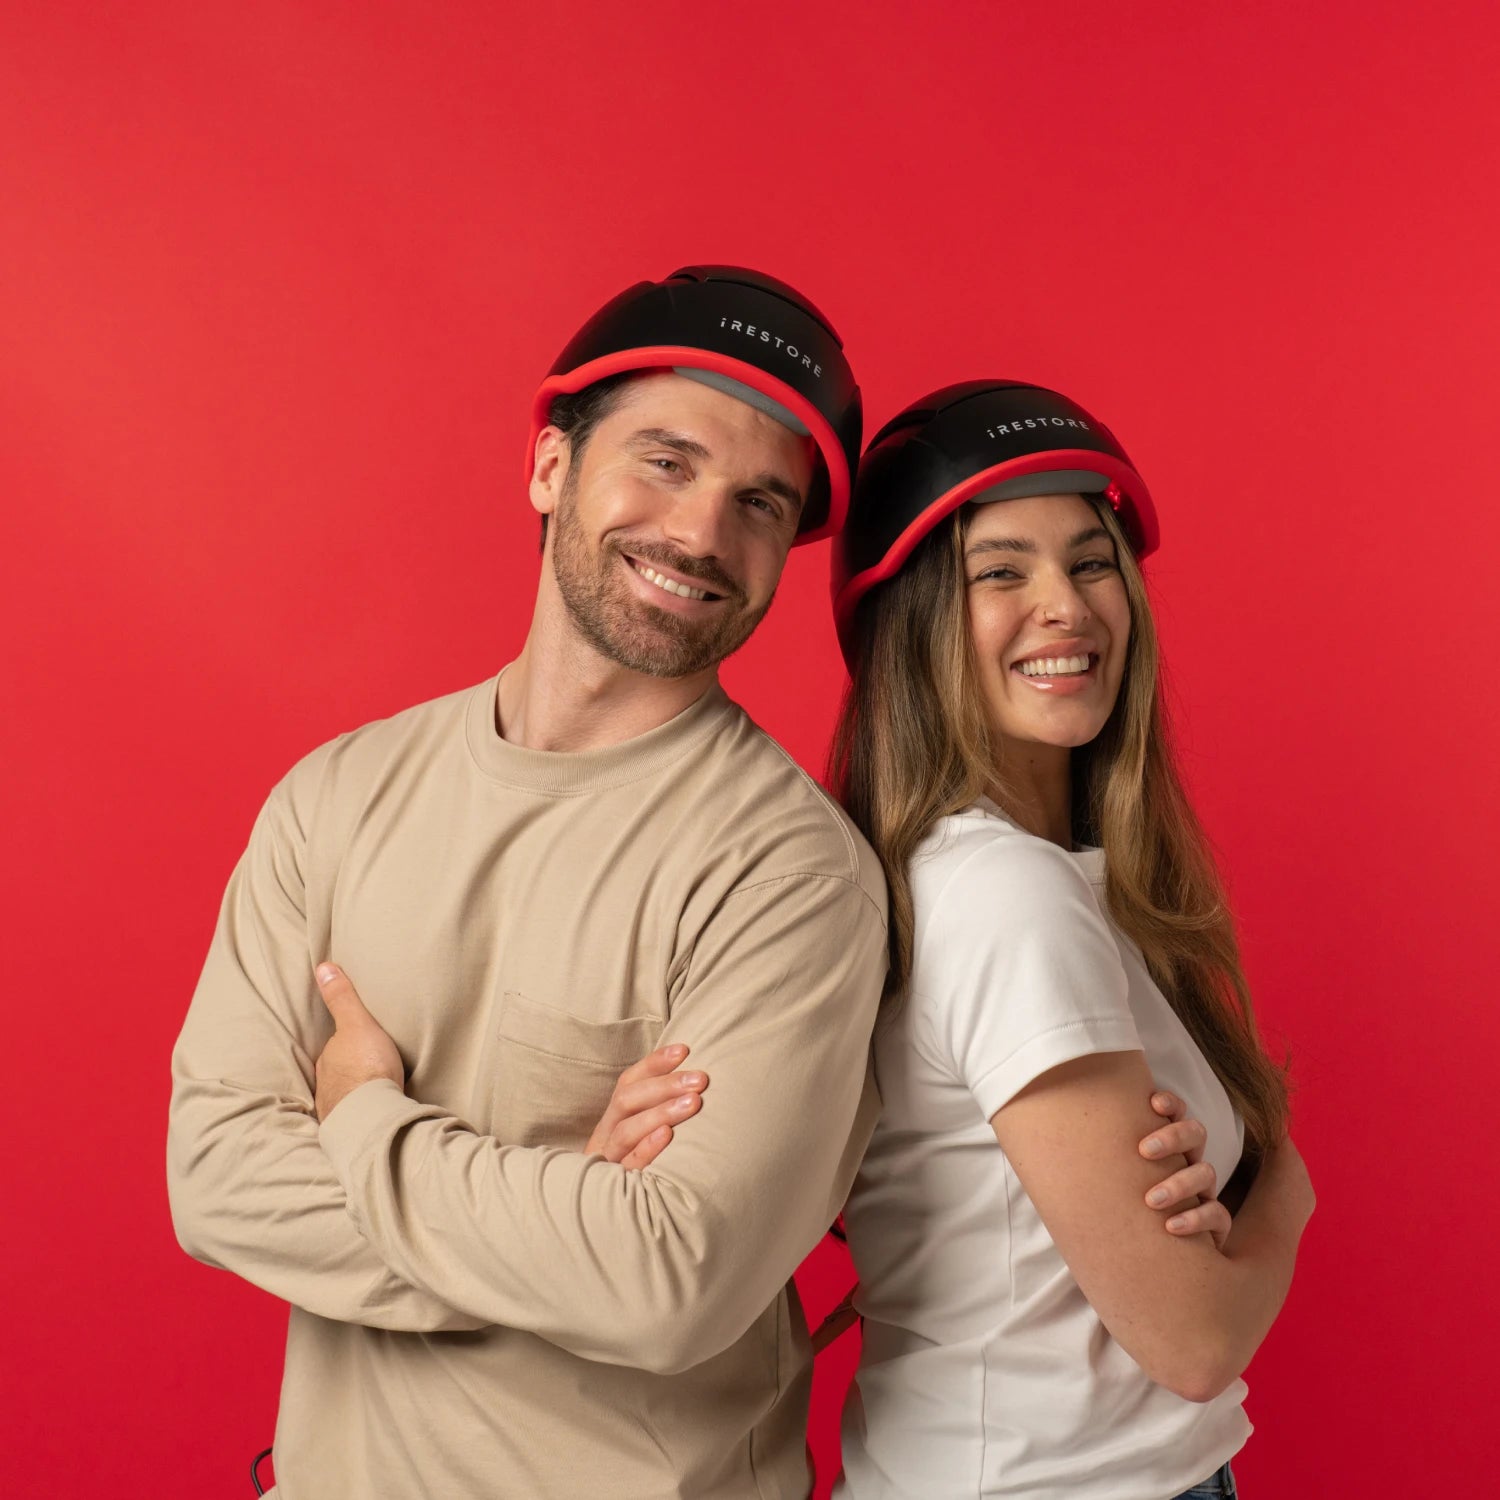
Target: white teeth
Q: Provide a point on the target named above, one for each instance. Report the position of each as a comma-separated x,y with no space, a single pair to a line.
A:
1054,666
670,585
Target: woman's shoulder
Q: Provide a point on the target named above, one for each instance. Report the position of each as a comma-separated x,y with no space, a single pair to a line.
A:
979,857
1014,964
984,890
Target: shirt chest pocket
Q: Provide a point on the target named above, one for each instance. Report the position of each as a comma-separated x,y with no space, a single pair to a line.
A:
549,1073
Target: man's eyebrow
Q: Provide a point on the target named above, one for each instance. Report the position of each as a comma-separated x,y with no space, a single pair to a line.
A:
651,437
689,447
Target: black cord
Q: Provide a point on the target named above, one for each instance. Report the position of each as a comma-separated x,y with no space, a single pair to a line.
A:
255,1464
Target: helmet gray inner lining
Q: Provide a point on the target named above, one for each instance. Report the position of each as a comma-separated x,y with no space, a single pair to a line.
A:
1053,482
746,393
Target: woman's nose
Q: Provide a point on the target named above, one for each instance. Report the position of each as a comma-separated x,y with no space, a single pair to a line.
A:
1060,602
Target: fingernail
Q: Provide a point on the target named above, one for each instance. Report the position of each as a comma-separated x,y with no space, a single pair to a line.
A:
1153,1146
691,1081
676,1051
684,1104
327,973
1177,1223
1156,1197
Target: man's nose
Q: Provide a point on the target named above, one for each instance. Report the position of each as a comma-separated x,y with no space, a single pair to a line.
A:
700,521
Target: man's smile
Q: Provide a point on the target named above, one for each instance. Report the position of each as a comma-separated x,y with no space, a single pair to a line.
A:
671,583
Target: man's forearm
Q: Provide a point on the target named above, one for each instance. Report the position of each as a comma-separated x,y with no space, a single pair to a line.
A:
661,1268
251,1192
609,1264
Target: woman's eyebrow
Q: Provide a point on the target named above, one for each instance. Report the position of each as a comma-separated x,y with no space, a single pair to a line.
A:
1024,544
1088,534
1000,544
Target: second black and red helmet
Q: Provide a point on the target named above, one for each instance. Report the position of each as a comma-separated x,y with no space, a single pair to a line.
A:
982,440
745,333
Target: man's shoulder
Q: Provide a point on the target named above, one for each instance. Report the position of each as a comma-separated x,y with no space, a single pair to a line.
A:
779,819
356,759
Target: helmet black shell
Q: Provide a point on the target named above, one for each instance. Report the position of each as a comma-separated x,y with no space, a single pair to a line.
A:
953,445
740,324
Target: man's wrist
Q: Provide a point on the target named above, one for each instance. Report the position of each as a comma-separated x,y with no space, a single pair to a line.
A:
332,1099
357,1117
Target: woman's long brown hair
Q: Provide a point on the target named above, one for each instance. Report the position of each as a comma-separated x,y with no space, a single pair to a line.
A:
912,745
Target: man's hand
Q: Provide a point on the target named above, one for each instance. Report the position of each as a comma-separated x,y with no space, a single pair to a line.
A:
1196,1184
649,1099
358,1051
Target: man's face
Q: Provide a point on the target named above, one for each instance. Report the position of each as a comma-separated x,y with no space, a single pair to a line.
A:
669,534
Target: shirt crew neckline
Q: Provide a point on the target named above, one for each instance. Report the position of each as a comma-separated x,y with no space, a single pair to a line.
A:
1088,858
561,773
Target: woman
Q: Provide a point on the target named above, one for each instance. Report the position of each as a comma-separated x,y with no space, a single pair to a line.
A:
1059,940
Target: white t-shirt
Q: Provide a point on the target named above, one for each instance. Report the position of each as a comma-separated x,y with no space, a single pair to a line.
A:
985,1370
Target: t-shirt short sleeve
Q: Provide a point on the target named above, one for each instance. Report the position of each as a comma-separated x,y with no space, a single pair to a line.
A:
1016,964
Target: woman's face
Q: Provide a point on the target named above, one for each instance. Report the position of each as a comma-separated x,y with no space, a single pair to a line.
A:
1049,619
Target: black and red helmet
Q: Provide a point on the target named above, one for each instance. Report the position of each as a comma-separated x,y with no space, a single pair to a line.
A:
982,440
745,333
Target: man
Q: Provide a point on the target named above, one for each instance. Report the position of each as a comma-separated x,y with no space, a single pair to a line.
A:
509,895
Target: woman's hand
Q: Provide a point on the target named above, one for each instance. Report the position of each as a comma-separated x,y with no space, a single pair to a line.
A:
1191,1190
649,1099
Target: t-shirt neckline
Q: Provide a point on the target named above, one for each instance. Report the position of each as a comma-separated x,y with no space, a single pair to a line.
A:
570,773
1088,857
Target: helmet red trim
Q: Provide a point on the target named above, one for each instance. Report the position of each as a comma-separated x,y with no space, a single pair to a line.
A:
666,357
1124,488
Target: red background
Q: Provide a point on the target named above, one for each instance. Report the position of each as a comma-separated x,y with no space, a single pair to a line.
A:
278,283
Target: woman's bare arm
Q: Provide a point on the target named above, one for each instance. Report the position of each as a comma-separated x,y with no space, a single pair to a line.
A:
1191,1315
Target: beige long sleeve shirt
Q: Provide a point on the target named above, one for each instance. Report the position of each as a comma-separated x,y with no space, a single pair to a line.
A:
479,1309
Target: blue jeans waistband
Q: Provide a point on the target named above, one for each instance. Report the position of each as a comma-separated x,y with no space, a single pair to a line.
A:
1218,1486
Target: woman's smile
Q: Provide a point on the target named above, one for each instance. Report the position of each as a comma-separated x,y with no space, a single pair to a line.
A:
1060,667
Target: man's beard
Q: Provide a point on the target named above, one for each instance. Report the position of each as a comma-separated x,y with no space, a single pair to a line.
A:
631,632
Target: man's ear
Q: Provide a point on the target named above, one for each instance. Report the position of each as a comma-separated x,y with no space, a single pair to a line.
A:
549,469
